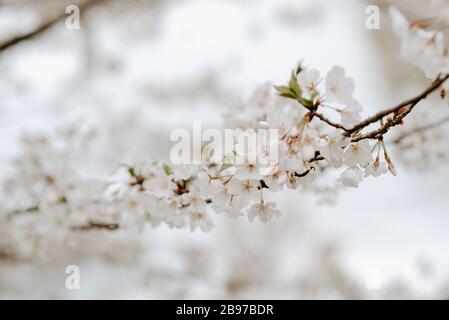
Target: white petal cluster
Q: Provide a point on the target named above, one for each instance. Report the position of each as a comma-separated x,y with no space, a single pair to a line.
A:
424,43
424,150
187,196
339,88
351,177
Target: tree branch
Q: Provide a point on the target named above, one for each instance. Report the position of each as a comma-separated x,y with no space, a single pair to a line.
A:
399,112
410,103
84,6
421,129
328,121
92,225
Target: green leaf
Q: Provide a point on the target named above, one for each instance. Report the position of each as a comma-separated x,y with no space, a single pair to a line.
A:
290,95
299,68
224,166
167,169
293,84
281,89
132,171
305,102
285,91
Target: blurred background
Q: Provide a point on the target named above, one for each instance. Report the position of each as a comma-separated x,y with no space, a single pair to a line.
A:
137,69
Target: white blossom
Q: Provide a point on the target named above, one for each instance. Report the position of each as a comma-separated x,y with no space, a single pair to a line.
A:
292,181
193,201
206,183
183,196
244,190
265,211
223,201
358,153
199,219
350,115
308,80
351,177
376,168
182,171
248,171
422,45
332,148
275,180
339,88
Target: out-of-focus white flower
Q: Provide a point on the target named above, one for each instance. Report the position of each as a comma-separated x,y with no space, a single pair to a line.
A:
245,190
261,97
400,24
391,167
284,114
422,44
182,171
376,168
294,162
331,148
223,201
247,115
119,183
308,80
193,201
276,180
156,180
264,210
199,219
358,153
350,115
339,88
351,177
292,181
248,171
206,184
309,143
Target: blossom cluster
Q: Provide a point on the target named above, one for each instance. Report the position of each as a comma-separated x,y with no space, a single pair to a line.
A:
320,131
423,144
424,42
315,116
187,195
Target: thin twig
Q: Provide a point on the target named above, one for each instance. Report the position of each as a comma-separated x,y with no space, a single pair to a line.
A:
45,26
387,125
300,175
410,102
399,112
421,129
92,225
328,121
